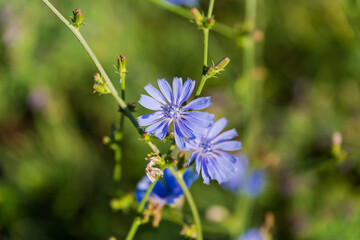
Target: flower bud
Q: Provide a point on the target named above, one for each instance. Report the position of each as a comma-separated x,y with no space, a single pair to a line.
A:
210,22
77,18
222,64
98,78
121,64
197,16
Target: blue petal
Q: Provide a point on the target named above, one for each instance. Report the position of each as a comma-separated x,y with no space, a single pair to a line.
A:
149,119
190,145
152,128
165,89
162,130
198,163
198,104
172,184
150,103
177,88
235,182
179,138
189,177
199,118
218,126
152,91
231,159
220,169
228,145
185,130
191,158
187,89
230,134
141,188
204,172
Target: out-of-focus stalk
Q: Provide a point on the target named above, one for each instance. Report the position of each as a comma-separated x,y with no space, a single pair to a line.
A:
249,88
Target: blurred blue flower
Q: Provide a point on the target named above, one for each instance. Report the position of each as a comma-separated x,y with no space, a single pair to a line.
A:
169,107
252,234
167,189
245,181
210,156
188,3
254,183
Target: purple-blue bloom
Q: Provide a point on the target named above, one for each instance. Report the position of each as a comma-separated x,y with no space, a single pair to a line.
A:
169,107
211,158
252,234
167,189
188,3
245,181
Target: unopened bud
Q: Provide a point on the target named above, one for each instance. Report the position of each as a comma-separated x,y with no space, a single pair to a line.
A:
211,22
121,64
98,78
197,16
77,18
222,63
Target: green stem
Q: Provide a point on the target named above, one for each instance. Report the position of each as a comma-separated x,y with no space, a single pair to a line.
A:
206,50
191,203
211,7
102,71
137,220
220,28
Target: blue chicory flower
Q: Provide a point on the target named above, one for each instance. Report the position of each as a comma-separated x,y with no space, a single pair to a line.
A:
252,234
246,181
188,3
211,158
169,108
167,189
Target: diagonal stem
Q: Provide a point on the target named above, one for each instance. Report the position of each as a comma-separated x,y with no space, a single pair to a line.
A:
113,91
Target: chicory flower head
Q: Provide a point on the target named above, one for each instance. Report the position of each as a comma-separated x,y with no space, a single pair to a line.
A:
169,107
211,158
167,189
246,181
252,234
188,3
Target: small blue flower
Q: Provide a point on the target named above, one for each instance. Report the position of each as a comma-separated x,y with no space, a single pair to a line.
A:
188,3
167,189
252,234
246,181
169,107
210,156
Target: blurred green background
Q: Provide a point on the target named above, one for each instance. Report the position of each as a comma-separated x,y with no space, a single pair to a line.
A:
56,174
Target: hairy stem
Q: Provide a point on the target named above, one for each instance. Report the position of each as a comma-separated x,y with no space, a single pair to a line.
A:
114,93
191,203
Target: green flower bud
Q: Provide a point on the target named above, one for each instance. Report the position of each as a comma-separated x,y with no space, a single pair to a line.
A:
222,64
77,18
197,16
121,64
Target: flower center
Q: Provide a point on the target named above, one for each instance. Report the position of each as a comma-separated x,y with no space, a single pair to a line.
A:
173,112
205,146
